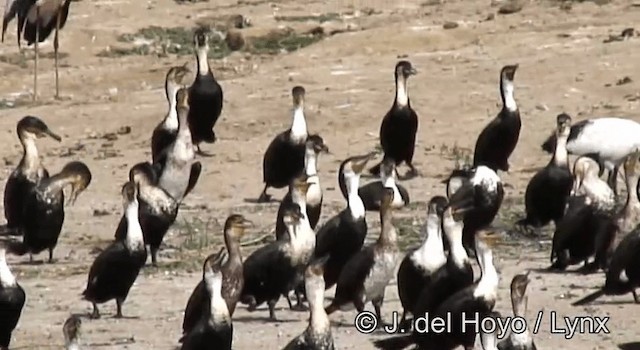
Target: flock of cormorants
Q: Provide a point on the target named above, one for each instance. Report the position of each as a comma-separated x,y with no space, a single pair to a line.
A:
305,259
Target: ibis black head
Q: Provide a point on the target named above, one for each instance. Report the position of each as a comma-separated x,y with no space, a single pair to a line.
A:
298,93
437,205
35,126
316,142
508,72
405,69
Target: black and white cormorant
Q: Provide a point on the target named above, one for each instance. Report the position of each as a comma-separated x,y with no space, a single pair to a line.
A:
418,265
343,235
371,193
548,191
29,172
400,124
12,299
284,158
476,299
317,336
158,210
272,270
366,275
589,226
314,146
498,139
205,95
623,274
116,268
178,172
214,329
479,199
44,210
72,330
607,140
232,277
165,133
521,340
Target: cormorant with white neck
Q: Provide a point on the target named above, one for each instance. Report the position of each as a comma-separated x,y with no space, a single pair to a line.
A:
314,146
608,140
418,265
178,172
44,210
205,96
366,275
476,299
72,330
158,210
165,133
498,139
214,329
548,191
28,173
521,340
590,223
116,268
272,270
284,158
400,124
317,336
371,193
12,299
232,277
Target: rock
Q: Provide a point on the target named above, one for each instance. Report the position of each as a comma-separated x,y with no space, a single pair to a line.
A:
235,40
510,7
450,25
623,81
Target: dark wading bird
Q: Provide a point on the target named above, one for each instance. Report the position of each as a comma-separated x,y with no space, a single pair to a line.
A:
12,298
400,124
284,158
116,268
607,140
205,95
549,189
158,210
36,20
372,192
72,330
498,139
214,329
317,336
165,133
232,277
44,210
28,173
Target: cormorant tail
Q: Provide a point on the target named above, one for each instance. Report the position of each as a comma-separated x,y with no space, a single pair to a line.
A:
17,248
394,343
589,298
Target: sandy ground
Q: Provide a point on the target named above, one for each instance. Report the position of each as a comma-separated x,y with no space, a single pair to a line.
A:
564,67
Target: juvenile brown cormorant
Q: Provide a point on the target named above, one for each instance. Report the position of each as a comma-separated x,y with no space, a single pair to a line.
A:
520,340
178,171
116,268
271,271
366,275
71,330
214,329
418,265
314,146
548,191
400,124
158,210
371,193
12,298
232,277
205,96
29,171
498,139
317,336
284,158
165,133
44,210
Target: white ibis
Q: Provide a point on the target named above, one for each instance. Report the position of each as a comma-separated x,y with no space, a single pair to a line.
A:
36,20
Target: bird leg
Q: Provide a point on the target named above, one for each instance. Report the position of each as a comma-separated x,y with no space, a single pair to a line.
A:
55,51
50,255
272,309
96,313
35,65
119,307
264,197
635,296
377,305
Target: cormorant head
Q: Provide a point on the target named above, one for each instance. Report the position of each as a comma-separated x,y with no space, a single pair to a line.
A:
35,127
236,225
81,176
508,72
405,69
298,93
